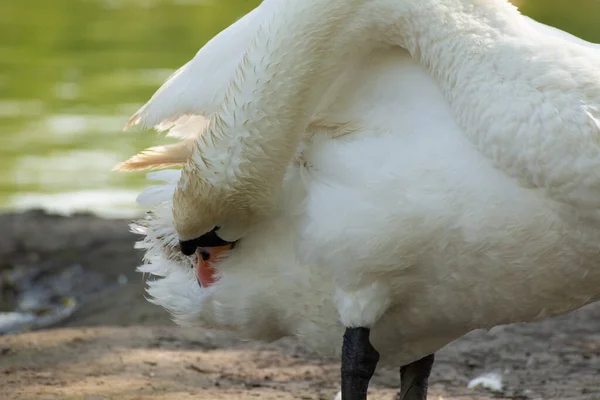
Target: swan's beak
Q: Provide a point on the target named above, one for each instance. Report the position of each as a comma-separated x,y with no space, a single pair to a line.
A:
206,257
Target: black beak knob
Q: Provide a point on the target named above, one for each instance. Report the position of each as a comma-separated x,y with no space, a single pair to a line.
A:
209,239
188,247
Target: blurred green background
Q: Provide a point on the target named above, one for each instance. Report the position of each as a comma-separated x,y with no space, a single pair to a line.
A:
73,71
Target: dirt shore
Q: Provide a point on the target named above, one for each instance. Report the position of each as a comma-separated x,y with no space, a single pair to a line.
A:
116,345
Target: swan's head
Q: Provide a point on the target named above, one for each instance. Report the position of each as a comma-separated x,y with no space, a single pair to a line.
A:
217,197
215,205
203,214
163,256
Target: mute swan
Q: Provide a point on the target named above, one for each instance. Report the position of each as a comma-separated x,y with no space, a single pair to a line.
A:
398,172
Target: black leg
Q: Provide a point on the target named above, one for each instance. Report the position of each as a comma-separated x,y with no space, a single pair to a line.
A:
359,360
414,377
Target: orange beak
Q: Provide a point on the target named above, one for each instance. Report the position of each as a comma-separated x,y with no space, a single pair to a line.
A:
207,256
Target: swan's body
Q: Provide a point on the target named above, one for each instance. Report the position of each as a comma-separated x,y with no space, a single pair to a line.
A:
430,195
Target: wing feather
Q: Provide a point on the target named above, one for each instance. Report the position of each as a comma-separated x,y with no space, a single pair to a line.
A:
181,105
199,86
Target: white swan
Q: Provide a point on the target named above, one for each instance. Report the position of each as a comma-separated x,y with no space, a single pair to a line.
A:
412,170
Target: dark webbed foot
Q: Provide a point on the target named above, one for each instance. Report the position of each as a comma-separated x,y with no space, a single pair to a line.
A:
359,360
414,379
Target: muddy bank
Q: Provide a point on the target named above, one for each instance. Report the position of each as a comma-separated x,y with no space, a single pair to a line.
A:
89,259
115,345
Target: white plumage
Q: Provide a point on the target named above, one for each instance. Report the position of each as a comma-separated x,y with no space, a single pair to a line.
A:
448,181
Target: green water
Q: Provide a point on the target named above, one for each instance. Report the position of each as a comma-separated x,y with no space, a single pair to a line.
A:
73,71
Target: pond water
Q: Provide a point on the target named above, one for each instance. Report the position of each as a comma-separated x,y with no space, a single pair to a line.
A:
73,71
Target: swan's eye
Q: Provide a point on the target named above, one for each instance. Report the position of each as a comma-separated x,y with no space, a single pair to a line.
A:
209,239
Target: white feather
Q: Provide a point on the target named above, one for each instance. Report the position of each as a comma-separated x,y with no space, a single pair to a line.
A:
552,31
491,381
168,175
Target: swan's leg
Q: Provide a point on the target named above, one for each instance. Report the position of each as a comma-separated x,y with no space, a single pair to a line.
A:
359,360
414,378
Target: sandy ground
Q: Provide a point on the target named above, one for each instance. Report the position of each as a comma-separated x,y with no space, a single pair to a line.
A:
118,346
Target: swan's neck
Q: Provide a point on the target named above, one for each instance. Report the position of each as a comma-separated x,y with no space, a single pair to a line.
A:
466,45
530,102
